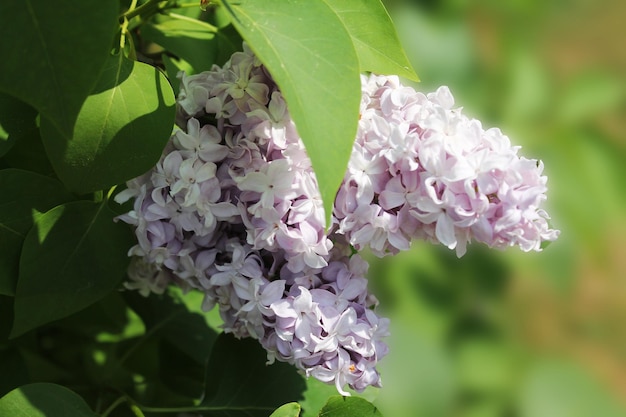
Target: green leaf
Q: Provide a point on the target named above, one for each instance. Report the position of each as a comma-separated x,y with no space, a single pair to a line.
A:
44,400
194,41
374,37
287,410
172,67
20,144
240,383
168,318
310,54
338,406
14,371
24,195
315,396
52,52
73,256
6,312
121,129
17,119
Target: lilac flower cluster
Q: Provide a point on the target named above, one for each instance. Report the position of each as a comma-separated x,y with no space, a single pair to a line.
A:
420,169
232,209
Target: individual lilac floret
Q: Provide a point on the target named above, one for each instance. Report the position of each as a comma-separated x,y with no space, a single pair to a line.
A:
421,169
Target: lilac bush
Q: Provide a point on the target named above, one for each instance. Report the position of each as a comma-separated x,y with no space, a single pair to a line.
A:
232,209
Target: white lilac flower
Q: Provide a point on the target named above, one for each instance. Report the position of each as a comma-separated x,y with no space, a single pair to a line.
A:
232,209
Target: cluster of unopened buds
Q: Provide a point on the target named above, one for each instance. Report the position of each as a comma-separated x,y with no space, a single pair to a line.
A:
232,209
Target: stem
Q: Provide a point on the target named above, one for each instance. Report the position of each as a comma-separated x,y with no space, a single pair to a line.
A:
98,196
199,408
131,404
182,6
124,27
205,25
132,12
136,410
110,192
113,406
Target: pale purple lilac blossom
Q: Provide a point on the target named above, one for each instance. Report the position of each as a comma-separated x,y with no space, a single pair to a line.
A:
232,209
420,169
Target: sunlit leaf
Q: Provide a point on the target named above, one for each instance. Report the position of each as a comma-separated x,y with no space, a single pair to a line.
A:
310,54
44,400
287,410
338,406
52,52
24,194
121,129
374,37
73,256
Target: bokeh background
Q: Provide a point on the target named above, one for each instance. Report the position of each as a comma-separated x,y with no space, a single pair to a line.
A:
506,334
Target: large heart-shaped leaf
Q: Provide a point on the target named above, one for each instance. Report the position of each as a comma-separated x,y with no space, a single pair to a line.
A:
309,52
73,256
374,37
44,400
24,195
52,53
121,129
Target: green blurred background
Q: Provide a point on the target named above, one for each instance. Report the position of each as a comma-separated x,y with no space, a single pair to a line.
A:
506,334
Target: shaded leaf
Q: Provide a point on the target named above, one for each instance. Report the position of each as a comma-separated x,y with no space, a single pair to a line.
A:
287,410
17,119
193,41
28,154
172,67
310,54
73,256
14,371
20,143
374,37
239,383
121,129
338,406
52,53
166,317
108,316
24,194
44,400
172,353
179,372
